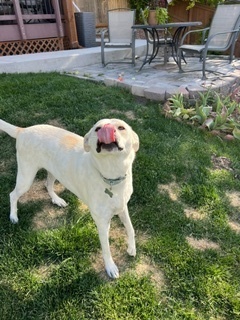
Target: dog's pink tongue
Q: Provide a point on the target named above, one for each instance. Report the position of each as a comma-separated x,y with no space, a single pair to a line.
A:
106,134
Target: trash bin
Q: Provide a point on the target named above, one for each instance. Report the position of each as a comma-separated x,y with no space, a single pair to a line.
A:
86,29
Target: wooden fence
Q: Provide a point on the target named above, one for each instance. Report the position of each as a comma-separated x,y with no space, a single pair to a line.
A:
100,8
178,12
199,12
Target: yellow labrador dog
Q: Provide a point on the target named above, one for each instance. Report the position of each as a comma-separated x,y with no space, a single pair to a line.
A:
96,168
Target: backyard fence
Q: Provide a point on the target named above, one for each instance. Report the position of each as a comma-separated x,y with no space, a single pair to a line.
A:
199,12
100,7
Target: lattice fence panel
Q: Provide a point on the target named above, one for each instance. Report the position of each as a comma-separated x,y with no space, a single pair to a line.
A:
30,46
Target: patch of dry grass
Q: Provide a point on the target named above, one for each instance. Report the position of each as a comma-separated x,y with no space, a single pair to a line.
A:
202,244
171,188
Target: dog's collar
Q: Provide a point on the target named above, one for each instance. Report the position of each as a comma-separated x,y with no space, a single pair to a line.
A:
113,182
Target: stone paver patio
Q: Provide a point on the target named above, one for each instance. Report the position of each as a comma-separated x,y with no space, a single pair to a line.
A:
158,81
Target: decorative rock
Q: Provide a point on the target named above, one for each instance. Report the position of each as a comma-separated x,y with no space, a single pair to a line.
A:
229,137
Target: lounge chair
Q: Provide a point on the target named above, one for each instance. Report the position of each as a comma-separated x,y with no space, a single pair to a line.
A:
222,35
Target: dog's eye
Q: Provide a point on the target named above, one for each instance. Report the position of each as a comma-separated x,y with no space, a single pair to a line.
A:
98,128
121,128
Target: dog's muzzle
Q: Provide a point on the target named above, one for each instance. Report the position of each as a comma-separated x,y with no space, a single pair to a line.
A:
107,138
108,147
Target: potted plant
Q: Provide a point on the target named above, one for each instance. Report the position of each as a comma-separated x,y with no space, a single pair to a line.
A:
156,12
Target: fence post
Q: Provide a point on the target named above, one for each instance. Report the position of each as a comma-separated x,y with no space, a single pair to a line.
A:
71,31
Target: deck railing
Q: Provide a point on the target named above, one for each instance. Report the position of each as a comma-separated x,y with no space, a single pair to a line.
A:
28,26
30,19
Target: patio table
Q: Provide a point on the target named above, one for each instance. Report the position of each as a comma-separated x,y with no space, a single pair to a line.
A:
152,38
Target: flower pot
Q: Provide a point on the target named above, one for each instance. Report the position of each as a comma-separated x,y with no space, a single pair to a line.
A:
152,19
158,16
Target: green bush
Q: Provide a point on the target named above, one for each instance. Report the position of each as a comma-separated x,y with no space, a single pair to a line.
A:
141,4
138,5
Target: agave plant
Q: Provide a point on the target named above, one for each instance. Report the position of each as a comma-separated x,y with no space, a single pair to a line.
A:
178,109
212,111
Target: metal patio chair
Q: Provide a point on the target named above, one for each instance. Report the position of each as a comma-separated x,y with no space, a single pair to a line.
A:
120,34
222,35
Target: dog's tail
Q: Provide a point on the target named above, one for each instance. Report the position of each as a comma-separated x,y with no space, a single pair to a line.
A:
9,128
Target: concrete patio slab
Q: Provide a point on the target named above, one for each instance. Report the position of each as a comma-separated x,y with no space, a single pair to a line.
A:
155,81
60,60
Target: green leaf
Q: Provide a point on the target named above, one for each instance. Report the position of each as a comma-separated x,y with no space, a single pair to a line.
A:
219,121
224,112
207,110
209,123
177,112
203,113
236,133
196,117
231,108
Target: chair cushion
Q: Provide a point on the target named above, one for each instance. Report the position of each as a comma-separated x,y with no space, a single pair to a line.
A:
197,48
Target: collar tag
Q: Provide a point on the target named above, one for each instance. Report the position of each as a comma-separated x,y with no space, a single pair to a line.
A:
109,192
111,183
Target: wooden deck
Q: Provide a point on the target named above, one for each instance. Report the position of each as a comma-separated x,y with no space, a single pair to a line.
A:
40,25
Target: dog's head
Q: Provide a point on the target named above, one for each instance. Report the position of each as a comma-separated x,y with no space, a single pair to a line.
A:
111,135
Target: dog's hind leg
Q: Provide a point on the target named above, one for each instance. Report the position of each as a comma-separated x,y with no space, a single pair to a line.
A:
124,217
50,188
25,176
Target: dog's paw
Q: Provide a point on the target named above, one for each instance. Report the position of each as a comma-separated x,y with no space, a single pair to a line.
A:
112,270
13,218
131,251
59,202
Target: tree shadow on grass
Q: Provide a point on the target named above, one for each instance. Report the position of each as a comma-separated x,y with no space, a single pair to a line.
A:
62,294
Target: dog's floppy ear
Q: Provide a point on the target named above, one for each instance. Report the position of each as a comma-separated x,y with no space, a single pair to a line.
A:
135,141
86,144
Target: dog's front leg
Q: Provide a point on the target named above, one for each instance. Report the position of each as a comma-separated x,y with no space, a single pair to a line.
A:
103,226
124,217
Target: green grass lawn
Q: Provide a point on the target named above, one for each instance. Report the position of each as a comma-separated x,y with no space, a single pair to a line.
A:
184,209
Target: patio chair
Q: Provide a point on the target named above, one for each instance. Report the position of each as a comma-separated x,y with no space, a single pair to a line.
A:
222,35
120,34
